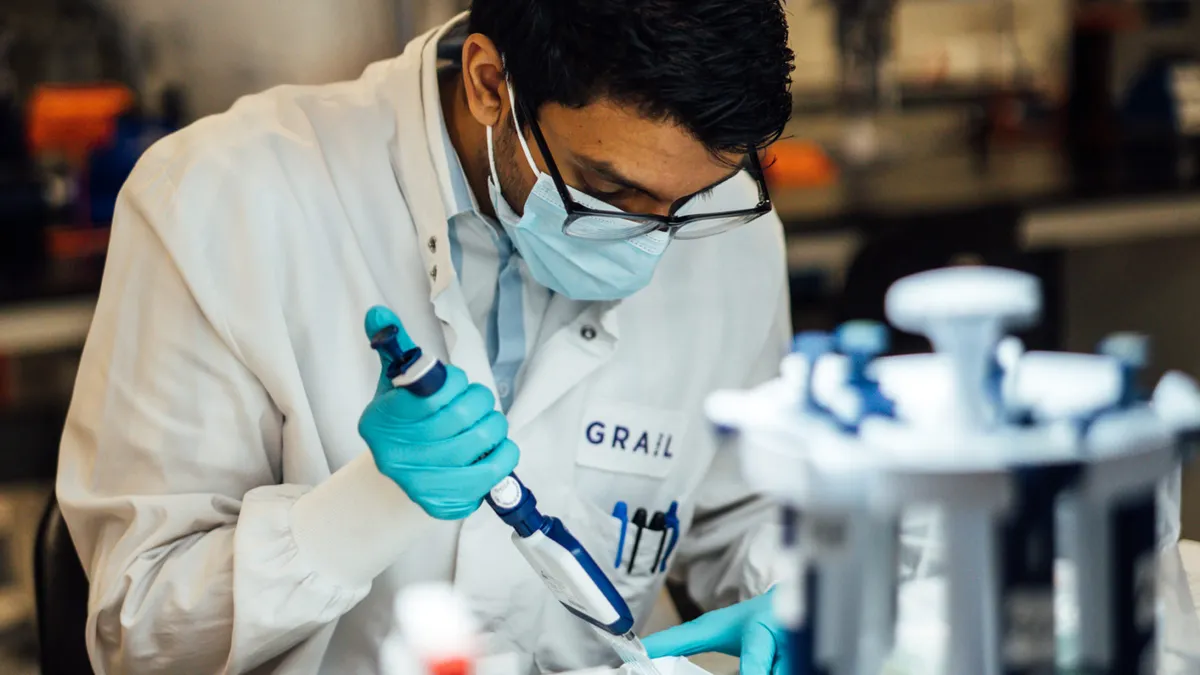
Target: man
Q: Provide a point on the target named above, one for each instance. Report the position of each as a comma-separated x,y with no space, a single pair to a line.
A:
245,492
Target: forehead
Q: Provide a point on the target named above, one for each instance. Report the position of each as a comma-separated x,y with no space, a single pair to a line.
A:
658,154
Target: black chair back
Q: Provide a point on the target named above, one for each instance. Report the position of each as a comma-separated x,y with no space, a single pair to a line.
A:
61,590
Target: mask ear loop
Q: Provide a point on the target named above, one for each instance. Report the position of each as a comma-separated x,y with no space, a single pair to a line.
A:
512,100
492,157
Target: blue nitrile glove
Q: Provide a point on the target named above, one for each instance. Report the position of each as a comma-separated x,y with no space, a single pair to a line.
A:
446,451
747,630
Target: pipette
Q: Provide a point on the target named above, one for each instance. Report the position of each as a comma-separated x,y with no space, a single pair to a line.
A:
569,572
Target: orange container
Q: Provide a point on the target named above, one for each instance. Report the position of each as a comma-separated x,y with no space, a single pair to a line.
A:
72,119
797,164
67,242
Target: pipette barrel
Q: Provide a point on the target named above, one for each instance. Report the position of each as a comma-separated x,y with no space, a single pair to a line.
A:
880,552
971,569
1090,542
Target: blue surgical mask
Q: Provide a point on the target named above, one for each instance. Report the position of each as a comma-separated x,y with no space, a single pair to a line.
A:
581,269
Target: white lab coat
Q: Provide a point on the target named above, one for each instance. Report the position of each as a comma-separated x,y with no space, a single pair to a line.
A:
226,370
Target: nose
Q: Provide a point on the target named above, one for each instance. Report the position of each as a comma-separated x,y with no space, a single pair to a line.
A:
661,209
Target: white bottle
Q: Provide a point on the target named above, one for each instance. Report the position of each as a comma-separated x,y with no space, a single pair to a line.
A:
436,633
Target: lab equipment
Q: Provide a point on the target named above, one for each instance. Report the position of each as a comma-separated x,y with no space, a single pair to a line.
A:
574,578
437,633
1032,460
863,35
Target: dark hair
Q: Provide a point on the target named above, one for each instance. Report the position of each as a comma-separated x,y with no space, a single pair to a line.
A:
720,68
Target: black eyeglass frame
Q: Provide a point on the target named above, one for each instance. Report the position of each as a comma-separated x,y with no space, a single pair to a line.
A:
669,223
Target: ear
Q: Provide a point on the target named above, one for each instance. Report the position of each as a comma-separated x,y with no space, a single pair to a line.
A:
483,80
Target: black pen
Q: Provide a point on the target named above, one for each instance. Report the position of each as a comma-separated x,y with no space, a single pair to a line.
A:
639,520
659,524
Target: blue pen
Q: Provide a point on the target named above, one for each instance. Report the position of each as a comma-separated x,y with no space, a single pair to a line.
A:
621,512
672,524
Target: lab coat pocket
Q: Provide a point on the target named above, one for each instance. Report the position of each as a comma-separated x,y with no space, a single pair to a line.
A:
642,550
601,534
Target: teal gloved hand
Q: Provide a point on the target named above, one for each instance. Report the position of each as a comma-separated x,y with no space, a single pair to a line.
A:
747,630
446,451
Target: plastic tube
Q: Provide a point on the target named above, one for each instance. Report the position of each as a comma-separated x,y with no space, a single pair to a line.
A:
1090,545
971,591
879,537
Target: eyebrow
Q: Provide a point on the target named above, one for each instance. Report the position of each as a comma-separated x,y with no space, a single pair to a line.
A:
610,173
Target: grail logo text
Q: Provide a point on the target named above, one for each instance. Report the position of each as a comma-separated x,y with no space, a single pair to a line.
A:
629,439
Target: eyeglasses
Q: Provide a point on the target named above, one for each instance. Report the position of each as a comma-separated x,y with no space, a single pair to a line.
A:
614,225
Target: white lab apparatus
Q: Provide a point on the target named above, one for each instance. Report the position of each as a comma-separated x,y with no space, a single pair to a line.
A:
436,634
1028,461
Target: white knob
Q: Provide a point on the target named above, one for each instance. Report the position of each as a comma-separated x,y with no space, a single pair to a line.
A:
1057,385
919,302
965,311
1176,400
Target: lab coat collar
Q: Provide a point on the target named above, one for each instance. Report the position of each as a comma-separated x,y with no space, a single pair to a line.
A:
417,103
606,313
455,188
412,90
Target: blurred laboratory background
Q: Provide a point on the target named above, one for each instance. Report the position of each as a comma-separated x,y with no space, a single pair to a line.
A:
1058,137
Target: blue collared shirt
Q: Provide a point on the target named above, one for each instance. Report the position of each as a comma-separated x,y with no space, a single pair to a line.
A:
505,303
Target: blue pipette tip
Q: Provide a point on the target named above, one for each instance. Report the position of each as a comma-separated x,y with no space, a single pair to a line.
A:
812,343
1131,349
869,338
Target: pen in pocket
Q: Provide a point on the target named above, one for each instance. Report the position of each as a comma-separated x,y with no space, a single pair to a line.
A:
672,524
639,521
658,523
621,512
